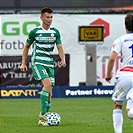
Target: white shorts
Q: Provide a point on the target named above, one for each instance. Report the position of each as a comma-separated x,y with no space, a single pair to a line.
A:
129,98
122,86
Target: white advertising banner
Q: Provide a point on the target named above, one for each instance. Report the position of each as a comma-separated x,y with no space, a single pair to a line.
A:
15,28
0,34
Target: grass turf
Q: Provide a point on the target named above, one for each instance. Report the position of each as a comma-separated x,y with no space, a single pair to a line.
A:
79,115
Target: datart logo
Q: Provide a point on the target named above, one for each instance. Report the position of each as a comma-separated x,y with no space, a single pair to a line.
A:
19,93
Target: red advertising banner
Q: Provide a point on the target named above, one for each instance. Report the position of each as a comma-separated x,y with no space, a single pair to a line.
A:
11,76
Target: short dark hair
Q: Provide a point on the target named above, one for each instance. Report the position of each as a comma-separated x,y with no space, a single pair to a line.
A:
46,9
129,21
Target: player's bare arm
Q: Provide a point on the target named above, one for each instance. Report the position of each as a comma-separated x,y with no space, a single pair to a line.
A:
62,55
110,66
23,66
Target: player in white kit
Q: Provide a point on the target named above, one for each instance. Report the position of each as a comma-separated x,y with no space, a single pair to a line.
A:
124,77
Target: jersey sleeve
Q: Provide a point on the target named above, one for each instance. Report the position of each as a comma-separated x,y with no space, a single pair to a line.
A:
31,37
58,39
116,47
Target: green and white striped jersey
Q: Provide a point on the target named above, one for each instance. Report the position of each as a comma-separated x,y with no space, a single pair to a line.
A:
44,42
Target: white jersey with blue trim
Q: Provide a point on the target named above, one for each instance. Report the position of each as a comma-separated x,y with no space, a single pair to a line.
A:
124,46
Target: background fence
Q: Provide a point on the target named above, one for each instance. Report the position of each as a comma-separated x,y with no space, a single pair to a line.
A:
69,15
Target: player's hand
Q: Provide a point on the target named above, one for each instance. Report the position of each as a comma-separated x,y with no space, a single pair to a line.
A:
23,68
62,64
108,78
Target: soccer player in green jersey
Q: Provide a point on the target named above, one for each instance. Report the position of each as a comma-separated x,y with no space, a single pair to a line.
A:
44,37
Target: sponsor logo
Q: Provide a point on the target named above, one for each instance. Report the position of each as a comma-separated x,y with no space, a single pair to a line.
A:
13,28
106,25
45,38
18,93
88,92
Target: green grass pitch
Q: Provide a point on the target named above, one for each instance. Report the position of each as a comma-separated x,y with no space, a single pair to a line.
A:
79,115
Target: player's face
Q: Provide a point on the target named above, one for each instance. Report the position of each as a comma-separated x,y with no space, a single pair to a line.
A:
47,18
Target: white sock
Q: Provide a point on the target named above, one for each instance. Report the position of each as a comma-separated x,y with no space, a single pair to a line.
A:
117,120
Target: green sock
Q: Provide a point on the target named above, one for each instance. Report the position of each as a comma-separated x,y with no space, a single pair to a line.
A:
49,105
44,101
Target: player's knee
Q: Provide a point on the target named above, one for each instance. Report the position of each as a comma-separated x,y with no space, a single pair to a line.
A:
50,94
118,105
47,86
130,113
